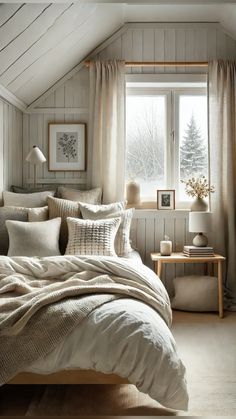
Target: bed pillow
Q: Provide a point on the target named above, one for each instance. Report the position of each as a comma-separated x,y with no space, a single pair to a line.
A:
195,293
92,237
34,239
122,240
28,200
100,211
20,189
63,208
38,214
92,196
9,213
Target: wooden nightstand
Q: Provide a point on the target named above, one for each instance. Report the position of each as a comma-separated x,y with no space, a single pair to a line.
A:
209,261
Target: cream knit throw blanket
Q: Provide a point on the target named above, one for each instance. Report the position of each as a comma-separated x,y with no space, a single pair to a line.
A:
42,300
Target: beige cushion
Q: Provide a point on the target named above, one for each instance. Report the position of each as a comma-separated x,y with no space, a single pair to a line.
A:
122,240
34,239
62,208
92,237
93,196
38,214
100,211
195,293
9,213
29,200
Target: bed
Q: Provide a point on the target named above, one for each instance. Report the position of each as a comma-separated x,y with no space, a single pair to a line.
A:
95,314
131,341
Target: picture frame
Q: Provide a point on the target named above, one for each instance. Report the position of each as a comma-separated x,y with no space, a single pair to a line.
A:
67,147
166,199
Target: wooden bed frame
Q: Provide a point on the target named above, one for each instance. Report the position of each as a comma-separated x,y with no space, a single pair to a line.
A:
68,377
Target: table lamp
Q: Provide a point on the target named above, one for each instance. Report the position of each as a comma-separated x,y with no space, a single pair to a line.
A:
200,222
35,157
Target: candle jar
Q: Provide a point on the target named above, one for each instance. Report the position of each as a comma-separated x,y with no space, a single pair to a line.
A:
166,247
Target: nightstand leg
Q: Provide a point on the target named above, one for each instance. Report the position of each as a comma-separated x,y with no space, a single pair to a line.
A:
159,266
220,289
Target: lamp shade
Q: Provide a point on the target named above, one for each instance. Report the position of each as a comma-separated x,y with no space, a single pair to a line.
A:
199,222
35,156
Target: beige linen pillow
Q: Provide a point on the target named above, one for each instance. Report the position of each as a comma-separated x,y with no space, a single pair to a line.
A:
92,196
28,200
38,214
195,293
100,211
92,237
34,239
9,213
122,240
62,208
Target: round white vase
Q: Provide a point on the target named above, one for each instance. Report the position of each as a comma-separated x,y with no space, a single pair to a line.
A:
199,204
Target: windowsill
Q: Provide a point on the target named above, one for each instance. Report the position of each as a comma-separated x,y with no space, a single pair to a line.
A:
153,206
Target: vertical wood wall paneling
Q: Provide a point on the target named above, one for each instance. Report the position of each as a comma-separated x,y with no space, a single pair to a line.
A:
148,49
1,152
169,49
159,51
127,47
60,101
137,48
11,145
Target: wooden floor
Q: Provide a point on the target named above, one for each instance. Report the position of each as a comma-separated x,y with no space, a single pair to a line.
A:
207,346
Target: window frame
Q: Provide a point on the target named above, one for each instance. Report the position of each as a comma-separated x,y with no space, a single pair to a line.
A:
144,84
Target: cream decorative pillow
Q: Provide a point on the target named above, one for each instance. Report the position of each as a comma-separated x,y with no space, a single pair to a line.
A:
38,214
195,293
93,196
100,211
88,237
28,200
63,208
34,239
122,240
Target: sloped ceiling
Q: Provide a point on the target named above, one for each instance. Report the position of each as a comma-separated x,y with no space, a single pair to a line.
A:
39,43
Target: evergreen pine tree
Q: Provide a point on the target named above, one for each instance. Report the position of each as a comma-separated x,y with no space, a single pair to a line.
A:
193,152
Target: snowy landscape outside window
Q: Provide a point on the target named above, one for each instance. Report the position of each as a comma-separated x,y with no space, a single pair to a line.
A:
166,138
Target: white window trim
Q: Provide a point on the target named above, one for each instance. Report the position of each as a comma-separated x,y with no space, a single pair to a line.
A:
164,84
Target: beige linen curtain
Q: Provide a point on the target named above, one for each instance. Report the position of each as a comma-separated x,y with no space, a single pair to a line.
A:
107,128
222,122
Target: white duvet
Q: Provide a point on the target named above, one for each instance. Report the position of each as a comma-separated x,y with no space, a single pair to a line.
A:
125,336
128,338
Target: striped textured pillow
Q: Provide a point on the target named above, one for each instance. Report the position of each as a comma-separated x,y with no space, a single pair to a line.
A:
92,237
62,208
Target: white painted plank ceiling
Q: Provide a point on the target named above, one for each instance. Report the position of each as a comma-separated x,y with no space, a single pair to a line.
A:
41,42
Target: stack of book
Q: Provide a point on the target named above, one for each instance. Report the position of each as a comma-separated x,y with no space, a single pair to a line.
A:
194,251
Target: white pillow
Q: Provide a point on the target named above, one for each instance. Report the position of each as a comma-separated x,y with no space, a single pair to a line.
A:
92,237
122,240
34,239
38,214
195,293
28,200
97,212
92,196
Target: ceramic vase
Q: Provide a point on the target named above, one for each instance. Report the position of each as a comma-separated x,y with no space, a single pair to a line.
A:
133,193
199,204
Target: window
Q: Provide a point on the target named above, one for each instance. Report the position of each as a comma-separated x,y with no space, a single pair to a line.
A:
166,136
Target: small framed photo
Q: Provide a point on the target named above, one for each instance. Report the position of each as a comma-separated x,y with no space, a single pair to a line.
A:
165,199
67,147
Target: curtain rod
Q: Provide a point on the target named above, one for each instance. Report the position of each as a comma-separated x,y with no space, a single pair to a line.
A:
162,63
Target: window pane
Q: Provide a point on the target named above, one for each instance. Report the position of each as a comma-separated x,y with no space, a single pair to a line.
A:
145,142
193,146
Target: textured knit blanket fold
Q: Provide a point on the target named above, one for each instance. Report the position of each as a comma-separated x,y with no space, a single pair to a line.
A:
44,299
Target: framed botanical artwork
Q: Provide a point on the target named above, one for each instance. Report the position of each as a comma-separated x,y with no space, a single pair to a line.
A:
66,147
165,199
